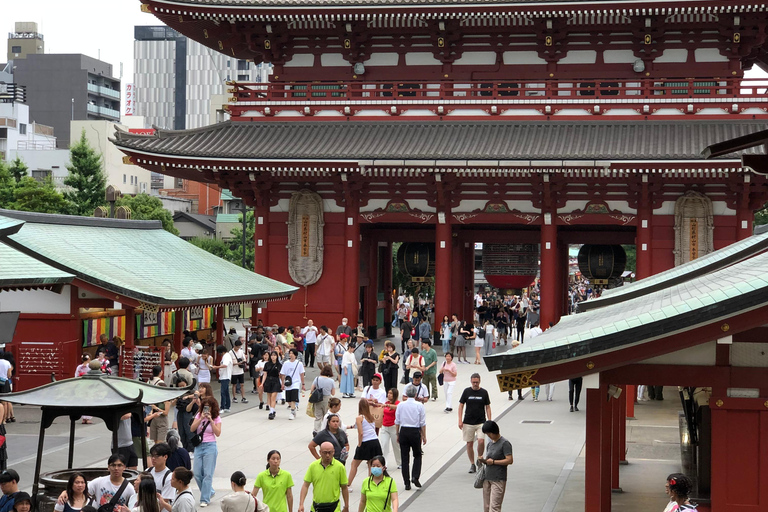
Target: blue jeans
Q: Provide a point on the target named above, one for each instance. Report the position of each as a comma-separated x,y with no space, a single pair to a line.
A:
205,465
226,401
446,346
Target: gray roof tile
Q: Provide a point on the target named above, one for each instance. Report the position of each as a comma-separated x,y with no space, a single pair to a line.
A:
455,140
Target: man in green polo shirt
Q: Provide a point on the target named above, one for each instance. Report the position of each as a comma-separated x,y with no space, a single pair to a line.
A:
430,367
329,479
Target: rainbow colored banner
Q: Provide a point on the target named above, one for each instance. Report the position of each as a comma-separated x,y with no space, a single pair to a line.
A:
94,327
196,319
149,325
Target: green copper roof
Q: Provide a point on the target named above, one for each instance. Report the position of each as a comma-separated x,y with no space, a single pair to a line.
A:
228,218
9,226
690,270
94,390
658,314
226,195
17,270
140,260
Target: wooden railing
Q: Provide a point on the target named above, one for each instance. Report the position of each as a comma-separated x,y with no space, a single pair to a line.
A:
643,95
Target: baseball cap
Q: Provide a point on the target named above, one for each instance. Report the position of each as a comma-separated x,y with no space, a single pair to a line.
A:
8,475
344,336
377,376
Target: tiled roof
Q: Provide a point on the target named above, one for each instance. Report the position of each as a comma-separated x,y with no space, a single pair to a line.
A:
19,271
228,218
204,221
489,140
226,195
687,271
684,306
140,260
429,3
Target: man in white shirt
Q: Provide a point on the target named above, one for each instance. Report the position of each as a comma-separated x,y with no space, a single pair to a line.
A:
225,376
325,354
160,473
411,423
310,338
294,369
239,363
421,393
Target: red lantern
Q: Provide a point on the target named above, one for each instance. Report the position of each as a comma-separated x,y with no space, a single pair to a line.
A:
510,265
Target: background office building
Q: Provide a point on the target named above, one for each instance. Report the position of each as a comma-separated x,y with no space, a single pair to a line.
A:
24,40
175,78
65,87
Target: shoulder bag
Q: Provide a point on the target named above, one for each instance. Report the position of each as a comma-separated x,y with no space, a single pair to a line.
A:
441,376
289,378
317,395
110,506
197,439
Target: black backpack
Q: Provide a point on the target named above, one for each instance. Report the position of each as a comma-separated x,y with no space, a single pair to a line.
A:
481,333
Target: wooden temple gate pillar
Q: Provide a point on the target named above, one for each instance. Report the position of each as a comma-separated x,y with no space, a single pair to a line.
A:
599,457
469,281
550,283
371,291
387,277
744,214
443,249
352,261
261,250
178,331
457,284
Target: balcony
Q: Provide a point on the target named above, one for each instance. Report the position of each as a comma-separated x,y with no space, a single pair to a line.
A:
104,91
103,111
515,98
7,121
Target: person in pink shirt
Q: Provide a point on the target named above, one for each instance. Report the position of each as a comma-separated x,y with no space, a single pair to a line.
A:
449,372
207,423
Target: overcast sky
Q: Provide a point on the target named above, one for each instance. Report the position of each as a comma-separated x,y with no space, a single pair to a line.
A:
82,26
93,27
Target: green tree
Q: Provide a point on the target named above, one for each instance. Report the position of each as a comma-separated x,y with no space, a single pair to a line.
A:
214,246
7,187
761,216
31,195
18,169
232,250
146,207
631,252
86,178
236,251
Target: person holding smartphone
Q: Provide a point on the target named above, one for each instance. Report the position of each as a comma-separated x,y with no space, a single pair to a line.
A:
207,423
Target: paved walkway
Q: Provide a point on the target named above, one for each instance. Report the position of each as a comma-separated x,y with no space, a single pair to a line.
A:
548,446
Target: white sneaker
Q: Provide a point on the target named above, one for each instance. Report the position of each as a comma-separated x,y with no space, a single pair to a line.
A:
292,416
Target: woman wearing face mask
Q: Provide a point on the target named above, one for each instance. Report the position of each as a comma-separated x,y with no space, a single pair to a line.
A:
379,491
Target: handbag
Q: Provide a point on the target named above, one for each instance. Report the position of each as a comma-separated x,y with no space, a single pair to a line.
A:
311,409
441,377
110,506
480,477
197,438
317,395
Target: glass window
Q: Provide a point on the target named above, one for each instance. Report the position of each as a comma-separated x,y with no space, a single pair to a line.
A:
22,129
15,49
125,177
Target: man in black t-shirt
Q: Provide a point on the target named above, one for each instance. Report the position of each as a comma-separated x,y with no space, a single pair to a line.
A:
478,409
